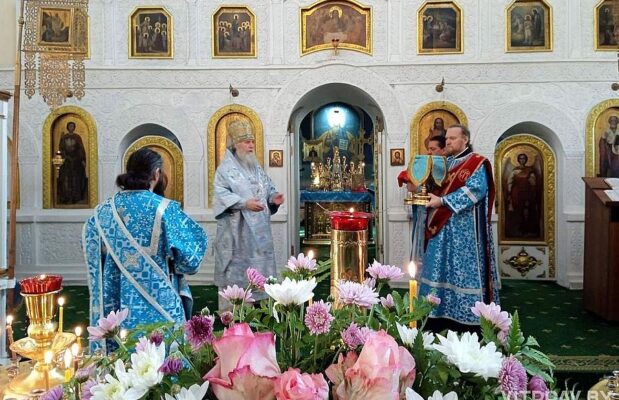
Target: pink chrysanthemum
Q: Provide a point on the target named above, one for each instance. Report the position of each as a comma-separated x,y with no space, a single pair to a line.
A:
156,337
301,262
255,278
370,282
365,333
432,299
538,388
108,326
352,336
54,393
226,318
384,273
387,302
353,293
199,331
513,378
236,295
171,366
318,319
86,395
492,313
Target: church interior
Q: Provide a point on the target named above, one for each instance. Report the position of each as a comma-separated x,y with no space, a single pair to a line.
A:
341,96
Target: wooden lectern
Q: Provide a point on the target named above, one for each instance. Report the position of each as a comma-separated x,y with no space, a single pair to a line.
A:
601,266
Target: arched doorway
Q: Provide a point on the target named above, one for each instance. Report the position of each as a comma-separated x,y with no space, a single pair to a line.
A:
335,132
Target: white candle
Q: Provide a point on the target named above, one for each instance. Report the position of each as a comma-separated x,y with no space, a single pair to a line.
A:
9,334
48,356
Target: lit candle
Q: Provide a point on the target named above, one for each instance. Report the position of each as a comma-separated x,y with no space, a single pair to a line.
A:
60,313
412,290
78,333
48,356
351,209
68,366
123,335
310,254
9,334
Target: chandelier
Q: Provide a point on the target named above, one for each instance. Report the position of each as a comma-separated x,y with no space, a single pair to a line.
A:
55,44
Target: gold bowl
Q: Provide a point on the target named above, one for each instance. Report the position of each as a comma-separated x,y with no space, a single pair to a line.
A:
28,347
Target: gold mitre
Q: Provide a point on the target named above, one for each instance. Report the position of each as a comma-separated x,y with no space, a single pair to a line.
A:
238,131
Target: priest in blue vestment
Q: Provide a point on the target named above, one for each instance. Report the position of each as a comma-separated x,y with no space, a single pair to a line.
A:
138,247
245,198
459,263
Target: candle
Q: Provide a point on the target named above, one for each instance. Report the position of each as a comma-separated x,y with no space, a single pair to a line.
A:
78,333
60,313
123,335
48,356
68,366
75,352
412,290
310,254
9,334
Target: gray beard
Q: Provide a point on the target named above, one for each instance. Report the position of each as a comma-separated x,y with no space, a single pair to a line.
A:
247,160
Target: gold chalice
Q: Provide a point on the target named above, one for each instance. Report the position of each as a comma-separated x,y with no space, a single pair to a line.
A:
41,345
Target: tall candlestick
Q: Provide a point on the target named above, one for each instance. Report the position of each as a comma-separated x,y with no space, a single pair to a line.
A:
9,334
412,290
60,313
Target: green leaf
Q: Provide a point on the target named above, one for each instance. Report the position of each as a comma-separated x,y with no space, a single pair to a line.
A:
515,338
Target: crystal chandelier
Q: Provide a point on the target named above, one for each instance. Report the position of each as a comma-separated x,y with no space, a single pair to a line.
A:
54,45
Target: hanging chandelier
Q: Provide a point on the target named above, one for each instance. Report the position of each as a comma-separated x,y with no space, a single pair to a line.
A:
55,44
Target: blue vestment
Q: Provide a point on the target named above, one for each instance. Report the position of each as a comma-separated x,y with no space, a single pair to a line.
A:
244,237
137,247
459,264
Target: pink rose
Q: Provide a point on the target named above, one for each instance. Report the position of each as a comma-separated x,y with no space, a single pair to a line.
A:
246,365
335,372
293,385
383,371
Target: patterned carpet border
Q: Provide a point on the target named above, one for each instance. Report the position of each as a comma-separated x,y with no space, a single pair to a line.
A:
601,363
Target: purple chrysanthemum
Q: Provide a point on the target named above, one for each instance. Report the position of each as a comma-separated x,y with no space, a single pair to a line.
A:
226,318
513,378
54,393
352,336
318,319
83,374
387,302
171,366
199,331
355,293
156,337
538,388
236,295
301,263
432,299
384,273
365,333
86,395
255,278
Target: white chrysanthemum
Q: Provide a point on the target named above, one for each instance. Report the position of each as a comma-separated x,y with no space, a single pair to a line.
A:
412,395
115,388
194,392
467,354
408,336
290,291
145,363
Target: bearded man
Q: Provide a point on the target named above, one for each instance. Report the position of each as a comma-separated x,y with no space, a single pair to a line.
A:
459,264
245,198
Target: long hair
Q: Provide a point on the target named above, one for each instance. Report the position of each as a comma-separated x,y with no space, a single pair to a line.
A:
141,168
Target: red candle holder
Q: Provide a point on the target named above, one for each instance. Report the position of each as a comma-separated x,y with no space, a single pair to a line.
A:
40,284
350,220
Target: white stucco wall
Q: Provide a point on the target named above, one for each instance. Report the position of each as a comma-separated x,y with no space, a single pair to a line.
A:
496,90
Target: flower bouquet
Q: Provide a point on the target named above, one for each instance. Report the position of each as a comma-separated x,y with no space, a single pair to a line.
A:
289,346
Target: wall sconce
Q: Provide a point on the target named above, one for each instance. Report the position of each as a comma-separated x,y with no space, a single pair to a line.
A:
441,86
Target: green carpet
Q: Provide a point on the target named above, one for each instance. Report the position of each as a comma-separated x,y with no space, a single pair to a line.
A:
577,340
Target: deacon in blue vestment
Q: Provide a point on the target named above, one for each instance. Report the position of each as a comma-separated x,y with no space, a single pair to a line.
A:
138,246
459,263
245,198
